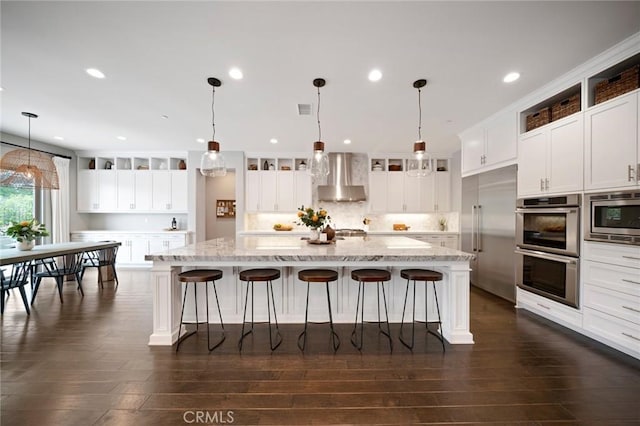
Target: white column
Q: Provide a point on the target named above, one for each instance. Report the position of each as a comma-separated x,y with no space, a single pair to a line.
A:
166,304
455,305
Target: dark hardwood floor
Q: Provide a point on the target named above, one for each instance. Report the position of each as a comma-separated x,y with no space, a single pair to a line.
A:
87,362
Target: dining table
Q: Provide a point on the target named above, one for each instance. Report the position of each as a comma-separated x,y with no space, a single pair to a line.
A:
10,256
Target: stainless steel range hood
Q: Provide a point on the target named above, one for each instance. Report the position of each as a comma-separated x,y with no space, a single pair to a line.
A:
339,187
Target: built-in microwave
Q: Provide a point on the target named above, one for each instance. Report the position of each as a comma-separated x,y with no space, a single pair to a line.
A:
613,217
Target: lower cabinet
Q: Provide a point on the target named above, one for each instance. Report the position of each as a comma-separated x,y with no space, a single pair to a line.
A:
135,246
611,295
449,241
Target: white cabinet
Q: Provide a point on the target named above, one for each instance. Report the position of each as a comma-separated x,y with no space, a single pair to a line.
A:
447,240
550,158
611,295
612,156
398,192
131,184
135,246
169,190
277,190
96,190
490,145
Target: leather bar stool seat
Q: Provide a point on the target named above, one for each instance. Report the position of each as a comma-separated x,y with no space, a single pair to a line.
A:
252,276
366,276
426,275
318,276
205,276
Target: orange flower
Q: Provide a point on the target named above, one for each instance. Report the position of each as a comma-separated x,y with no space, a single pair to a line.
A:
323,213
300,214
25,223
314,218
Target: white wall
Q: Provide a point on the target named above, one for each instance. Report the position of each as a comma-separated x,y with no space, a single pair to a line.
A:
220,188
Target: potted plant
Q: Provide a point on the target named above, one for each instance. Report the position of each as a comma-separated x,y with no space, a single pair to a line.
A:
26,232
316,220
442,222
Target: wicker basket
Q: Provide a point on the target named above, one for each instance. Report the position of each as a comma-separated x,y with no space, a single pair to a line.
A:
620,84
565,107
539,118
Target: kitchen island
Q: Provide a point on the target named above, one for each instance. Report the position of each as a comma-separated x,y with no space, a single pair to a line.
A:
290,254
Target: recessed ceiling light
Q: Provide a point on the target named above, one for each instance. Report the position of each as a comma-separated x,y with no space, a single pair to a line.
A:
511,77
375,75
93,72
235,73
122,138
347,141
200,140
273,140
1,89
58,138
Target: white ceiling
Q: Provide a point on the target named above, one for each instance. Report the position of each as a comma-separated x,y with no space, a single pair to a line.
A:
157,56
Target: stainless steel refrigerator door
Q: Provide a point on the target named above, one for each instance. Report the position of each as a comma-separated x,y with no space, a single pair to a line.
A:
488,229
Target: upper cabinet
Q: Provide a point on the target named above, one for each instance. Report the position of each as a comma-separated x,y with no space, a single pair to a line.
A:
394,191
277,184
612,127
132,184
490,145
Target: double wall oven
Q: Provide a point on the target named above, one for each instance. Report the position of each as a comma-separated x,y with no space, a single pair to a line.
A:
548,247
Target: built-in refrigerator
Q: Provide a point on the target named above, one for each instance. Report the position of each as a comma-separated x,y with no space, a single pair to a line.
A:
488,229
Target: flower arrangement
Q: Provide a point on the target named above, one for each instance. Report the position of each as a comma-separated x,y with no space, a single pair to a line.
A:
26,230
311,218
443,223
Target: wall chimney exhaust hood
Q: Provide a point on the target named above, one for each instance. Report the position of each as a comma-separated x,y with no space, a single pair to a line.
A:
339,187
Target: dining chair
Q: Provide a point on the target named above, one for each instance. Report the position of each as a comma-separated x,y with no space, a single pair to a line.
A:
59,268
105,257
18,277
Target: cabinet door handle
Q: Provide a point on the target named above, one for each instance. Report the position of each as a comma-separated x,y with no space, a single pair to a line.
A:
546,184
631,257
543,306
631,336
630,308
630,173
630,281
541,184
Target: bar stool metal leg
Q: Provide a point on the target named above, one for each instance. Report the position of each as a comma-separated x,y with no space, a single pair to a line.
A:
303,335
354,333
335,339
275,317
244,316
413,321
386,313
439,334
181,338
206,289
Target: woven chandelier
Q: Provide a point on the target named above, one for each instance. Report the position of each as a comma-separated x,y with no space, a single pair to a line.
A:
27,168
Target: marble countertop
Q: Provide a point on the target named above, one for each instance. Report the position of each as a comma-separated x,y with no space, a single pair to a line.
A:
305,232
293,249
161,231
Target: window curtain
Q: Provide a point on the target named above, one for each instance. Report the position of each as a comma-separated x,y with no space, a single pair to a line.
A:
60,203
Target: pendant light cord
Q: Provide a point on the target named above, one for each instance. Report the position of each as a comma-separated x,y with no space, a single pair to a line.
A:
419,117
318,117
213,114
29,160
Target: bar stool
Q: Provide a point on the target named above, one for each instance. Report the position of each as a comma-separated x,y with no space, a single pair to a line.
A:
200,276
318,276
363,276
260,275
425,275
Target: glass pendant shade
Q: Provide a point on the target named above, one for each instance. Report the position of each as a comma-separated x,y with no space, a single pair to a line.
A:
319,161
420,165
212,162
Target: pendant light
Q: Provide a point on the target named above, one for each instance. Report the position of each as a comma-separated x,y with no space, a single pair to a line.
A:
27,168
320,161
420,165
212,162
